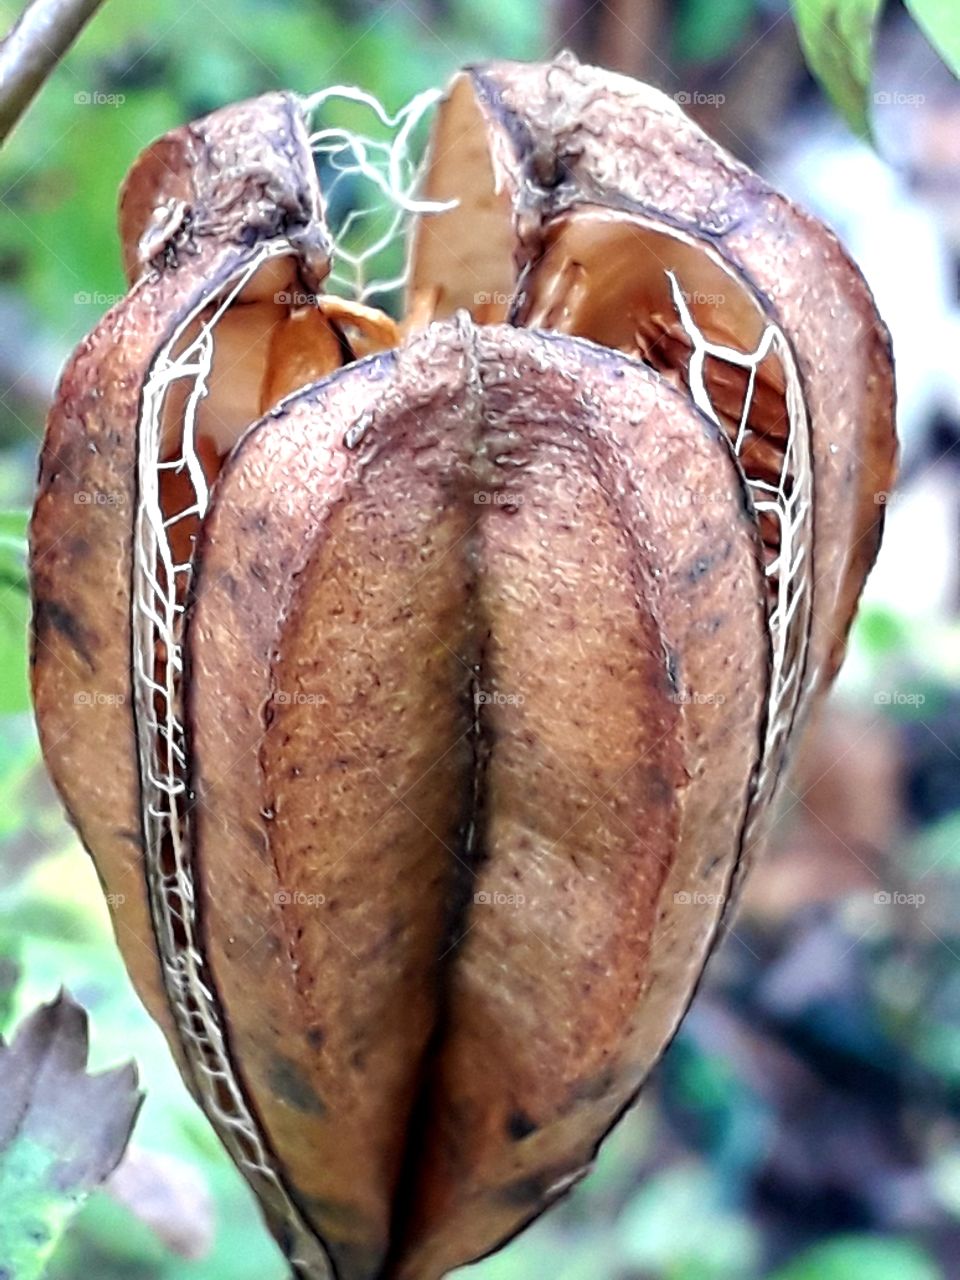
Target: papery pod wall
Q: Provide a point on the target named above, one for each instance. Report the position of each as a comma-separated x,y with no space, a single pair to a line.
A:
446,664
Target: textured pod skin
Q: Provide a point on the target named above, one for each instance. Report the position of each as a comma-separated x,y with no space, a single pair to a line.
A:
561,135
475,685
81,535
81,532
393,767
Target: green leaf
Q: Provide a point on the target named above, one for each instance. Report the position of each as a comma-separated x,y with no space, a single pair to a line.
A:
62,1131
837,40
13,542
14,613
939,20
59,919
853,1257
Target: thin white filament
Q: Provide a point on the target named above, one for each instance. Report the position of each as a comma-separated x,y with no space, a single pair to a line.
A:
157,627
387,169
790,503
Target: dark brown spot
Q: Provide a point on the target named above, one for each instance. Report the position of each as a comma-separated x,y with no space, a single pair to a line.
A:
519,1125
78,548
289,1083
527,1192
50,615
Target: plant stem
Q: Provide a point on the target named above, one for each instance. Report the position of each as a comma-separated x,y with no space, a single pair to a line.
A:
44,33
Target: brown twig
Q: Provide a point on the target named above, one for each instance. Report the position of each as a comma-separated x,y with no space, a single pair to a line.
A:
44,33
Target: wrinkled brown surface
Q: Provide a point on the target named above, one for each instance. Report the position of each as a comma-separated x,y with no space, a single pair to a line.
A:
563,134
82,529
477,656
416,1042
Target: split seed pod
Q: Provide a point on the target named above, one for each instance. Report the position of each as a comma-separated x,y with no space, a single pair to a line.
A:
421,688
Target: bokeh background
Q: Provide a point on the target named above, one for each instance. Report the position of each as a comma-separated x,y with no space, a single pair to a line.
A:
805,1125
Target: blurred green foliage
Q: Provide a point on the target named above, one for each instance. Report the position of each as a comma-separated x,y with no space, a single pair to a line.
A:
159,63
837,38
54,930
63,1131
940,22
13,612
704,31
853,1257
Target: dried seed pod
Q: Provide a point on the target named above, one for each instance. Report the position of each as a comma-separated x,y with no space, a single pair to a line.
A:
119,499
608,214
444,669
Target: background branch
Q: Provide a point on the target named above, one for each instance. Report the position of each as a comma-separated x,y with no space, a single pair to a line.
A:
44,33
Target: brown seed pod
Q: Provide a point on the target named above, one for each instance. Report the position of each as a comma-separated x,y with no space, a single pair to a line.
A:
443,669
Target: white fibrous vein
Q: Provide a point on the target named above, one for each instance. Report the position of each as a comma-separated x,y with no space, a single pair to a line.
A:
160,589
789,502
389,174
